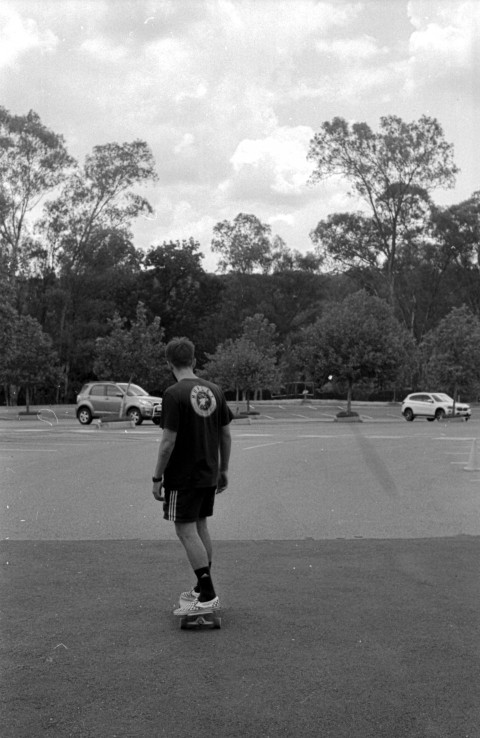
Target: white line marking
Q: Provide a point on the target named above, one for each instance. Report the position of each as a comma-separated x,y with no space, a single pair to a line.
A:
343,435
263,445
29,448
446,438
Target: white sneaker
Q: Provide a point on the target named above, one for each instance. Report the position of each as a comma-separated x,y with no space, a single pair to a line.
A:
195,607
190,596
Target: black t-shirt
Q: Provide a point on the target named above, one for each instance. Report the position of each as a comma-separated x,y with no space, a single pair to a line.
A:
196,410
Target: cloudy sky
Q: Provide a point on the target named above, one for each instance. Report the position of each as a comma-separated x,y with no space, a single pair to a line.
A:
228,93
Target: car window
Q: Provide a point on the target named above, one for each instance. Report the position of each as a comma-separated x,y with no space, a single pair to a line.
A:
133,390
97,389
113,390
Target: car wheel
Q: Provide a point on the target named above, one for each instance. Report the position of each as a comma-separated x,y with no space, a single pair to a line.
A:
135,415
467,417
156,421
440,414
408,414
430,420
84,415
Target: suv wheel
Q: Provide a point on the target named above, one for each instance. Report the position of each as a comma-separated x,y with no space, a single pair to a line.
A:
440,414
135,415
408,414
84,415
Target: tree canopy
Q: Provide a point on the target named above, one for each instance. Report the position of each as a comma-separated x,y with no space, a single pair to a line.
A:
69,261
243,244
393,171
452,352
134,352
33,161
358,338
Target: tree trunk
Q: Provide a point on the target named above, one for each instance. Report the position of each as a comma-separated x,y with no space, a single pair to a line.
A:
349,396
13,395
27,398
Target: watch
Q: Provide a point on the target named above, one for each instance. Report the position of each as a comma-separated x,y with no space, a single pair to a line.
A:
155,480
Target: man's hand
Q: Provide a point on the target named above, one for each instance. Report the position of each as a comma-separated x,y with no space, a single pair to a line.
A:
222,481
157,490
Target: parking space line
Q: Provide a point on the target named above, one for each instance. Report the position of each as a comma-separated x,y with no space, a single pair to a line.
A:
447,438
263,445
29,448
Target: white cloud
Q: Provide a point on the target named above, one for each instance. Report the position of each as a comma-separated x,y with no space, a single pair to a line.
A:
228,93
446,40
276,164
19,35
185,144
355,49
103,50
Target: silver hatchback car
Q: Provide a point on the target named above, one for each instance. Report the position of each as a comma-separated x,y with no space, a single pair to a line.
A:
108,399
433,406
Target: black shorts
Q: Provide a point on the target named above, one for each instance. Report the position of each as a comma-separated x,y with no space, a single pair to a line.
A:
188,505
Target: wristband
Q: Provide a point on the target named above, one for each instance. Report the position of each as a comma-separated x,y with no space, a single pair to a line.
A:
155,480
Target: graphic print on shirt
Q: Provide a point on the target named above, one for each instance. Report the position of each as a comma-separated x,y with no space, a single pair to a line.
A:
203,400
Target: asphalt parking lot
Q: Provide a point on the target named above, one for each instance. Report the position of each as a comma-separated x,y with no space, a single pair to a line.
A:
382,478
346,560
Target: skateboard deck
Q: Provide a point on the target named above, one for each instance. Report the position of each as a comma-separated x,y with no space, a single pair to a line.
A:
204,619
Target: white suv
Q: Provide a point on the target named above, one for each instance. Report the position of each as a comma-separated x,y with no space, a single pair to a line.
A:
433,406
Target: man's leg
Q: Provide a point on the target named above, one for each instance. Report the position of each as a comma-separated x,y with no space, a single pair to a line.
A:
203,532
193,544
198,557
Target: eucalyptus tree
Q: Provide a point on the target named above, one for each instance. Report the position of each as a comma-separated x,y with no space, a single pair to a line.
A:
244,244
87,229
393,172
33,162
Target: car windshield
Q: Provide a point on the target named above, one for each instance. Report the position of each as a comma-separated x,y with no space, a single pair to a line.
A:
133,391
441,397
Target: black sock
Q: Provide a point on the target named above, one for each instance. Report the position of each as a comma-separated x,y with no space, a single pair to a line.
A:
205,584
197,586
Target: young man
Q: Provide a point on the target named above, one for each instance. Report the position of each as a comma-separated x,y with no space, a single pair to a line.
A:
193,465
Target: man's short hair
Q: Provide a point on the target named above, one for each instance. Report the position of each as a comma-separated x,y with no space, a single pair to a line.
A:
180,352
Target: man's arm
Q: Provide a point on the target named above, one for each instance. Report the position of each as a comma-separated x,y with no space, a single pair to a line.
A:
225,446
167,445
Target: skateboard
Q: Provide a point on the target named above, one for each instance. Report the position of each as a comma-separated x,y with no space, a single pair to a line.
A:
204,619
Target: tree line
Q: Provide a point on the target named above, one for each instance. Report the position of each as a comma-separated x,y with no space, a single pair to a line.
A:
384,299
